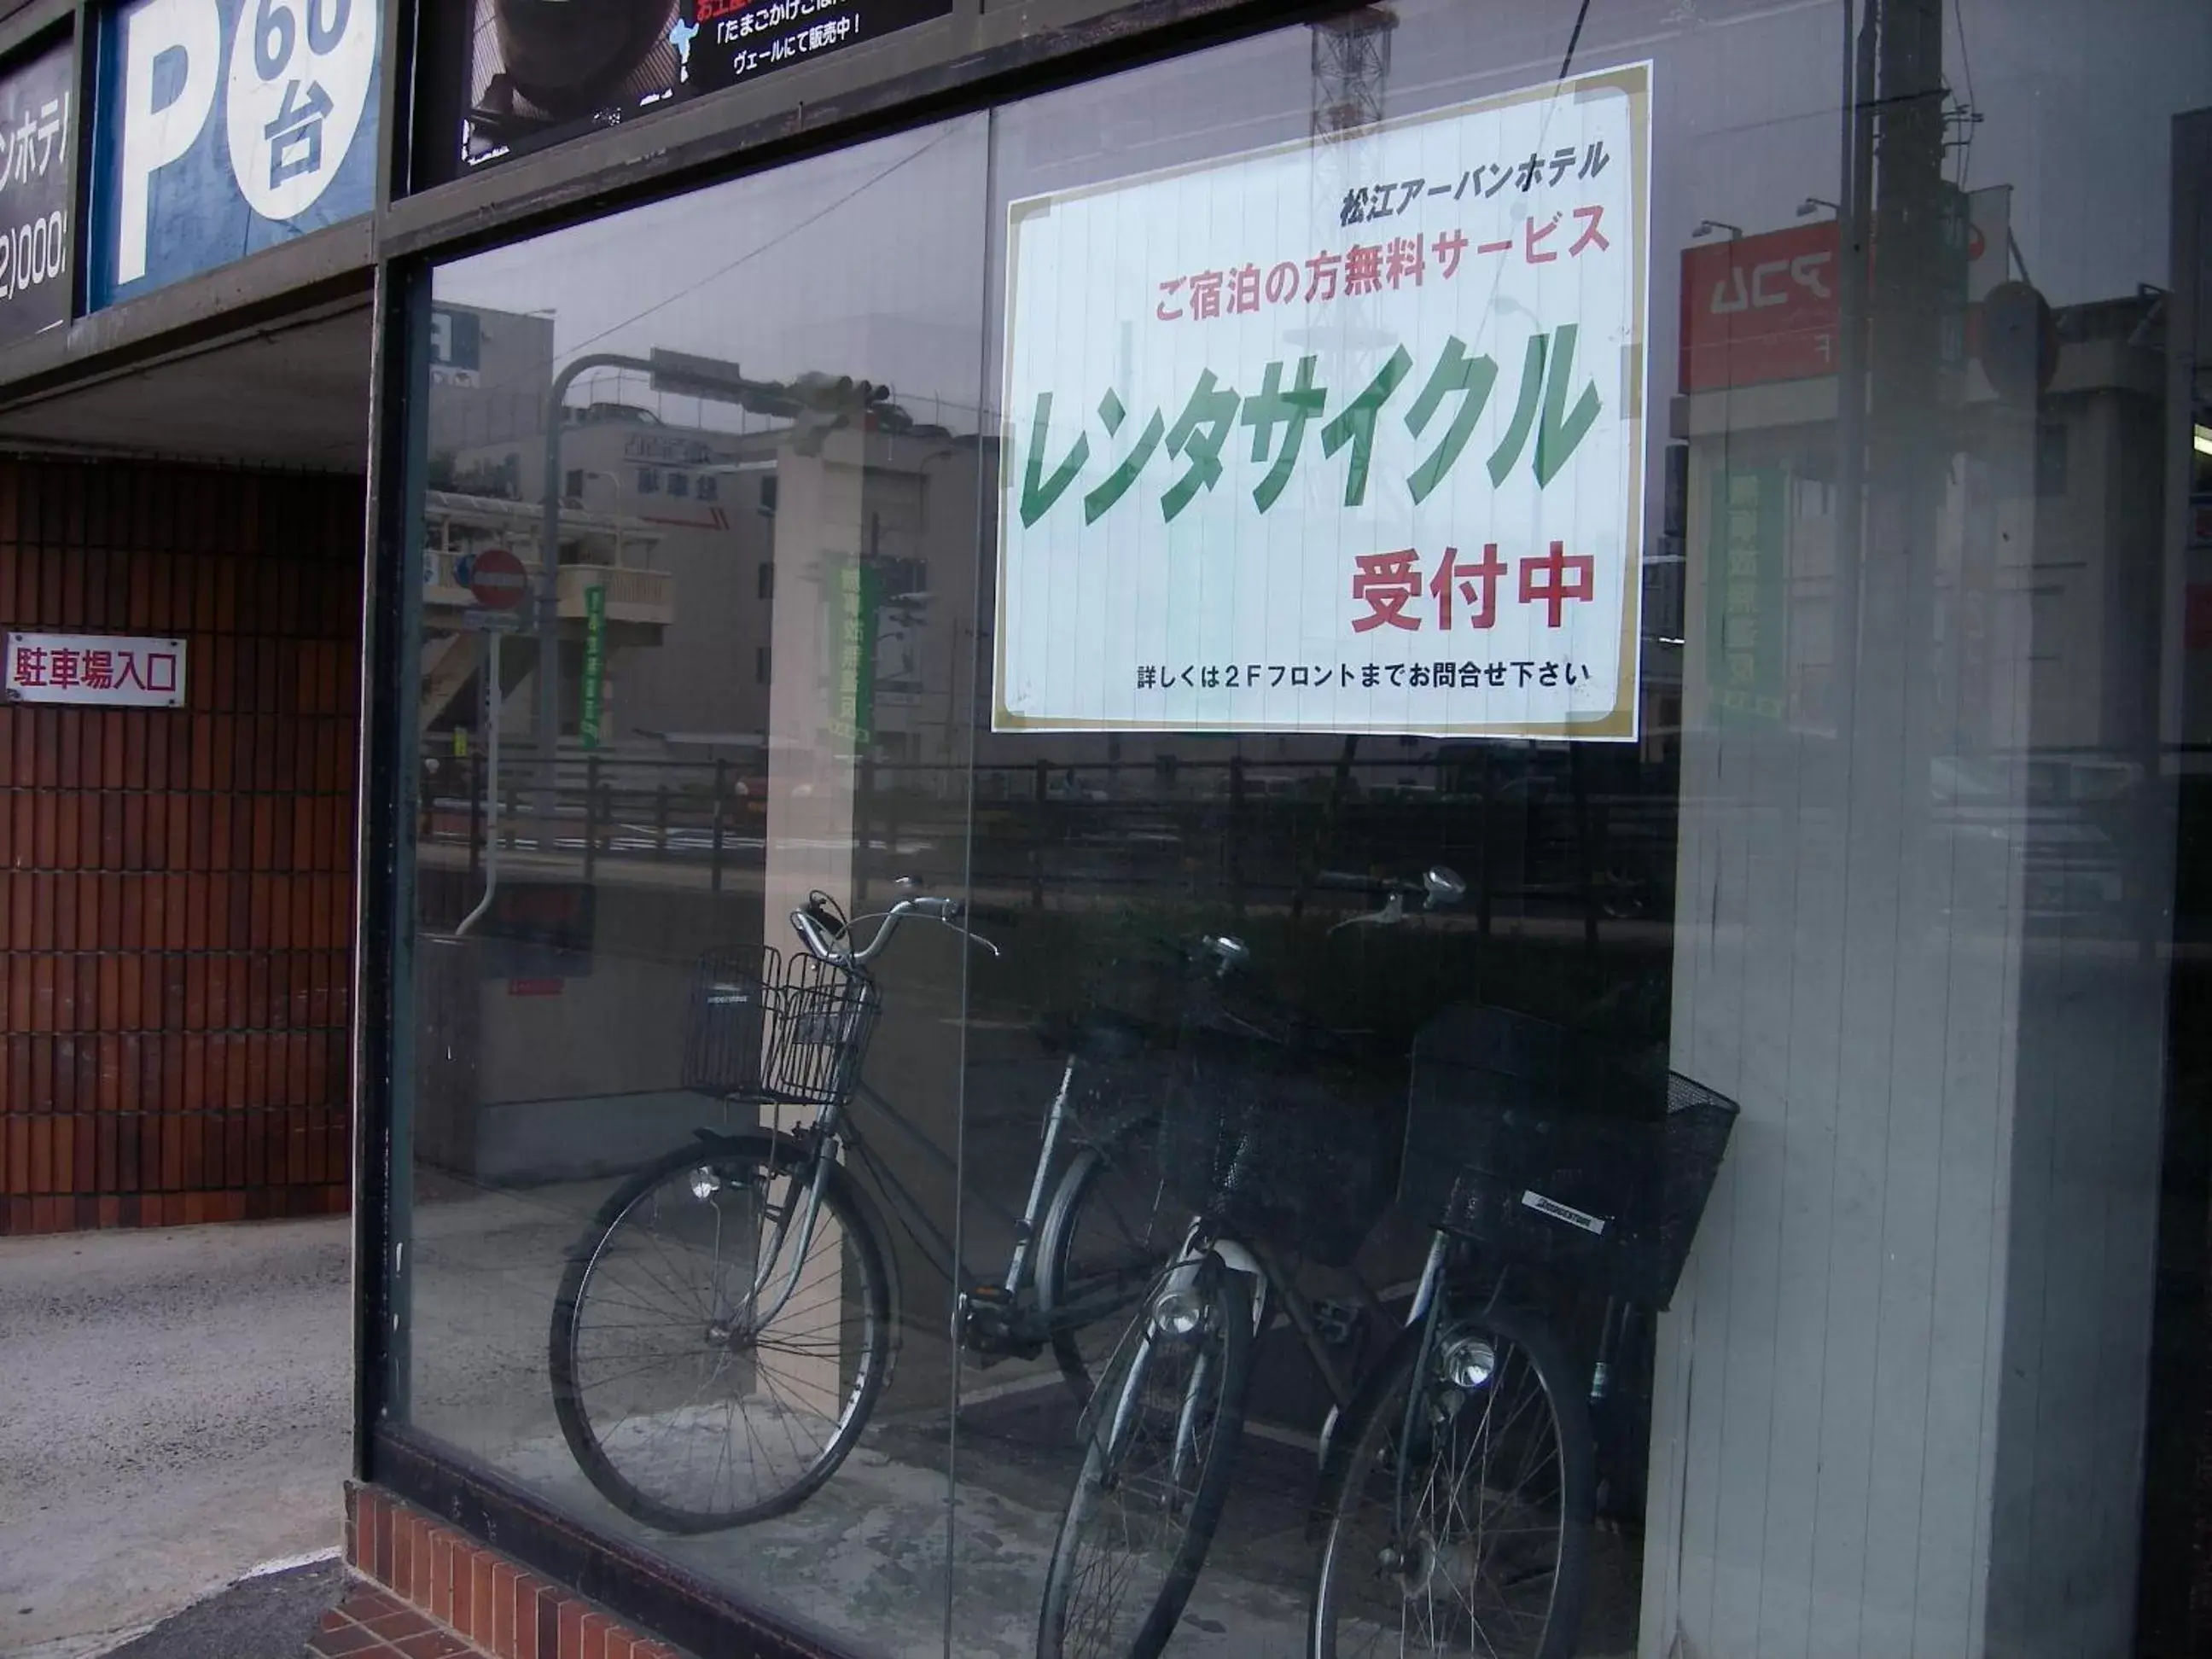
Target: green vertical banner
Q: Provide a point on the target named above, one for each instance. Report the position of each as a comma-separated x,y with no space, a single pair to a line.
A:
853,654
595,662
1746,637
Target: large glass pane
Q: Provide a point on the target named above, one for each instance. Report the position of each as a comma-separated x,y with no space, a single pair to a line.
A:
1858,883
692,474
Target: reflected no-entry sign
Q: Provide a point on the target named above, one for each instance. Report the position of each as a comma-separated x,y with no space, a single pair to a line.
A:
497,580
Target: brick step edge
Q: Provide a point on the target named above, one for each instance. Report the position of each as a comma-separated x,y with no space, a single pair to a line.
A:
423,1590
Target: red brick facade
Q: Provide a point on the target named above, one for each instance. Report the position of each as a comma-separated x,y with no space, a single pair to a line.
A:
176,884
427,1592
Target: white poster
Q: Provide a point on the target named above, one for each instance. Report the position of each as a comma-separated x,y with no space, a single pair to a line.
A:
1344,436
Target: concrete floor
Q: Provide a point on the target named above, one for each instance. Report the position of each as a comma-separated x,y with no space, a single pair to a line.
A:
173,1408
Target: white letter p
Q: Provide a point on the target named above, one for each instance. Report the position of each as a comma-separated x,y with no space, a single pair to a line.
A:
153,138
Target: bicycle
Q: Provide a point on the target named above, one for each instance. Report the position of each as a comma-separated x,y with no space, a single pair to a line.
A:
727,1320
1457,1480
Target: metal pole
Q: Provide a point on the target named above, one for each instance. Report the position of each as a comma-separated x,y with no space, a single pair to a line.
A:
492,789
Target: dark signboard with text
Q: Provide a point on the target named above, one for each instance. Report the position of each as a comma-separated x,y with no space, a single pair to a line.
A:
508,76
35,135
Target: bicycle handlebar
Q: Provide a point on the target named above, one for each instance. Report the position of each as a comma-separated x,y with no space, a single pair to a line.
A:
827,935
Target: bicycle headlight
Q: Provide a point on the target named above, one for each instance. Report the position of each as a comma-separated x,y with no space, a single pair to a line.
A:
1467,1362
1178,1311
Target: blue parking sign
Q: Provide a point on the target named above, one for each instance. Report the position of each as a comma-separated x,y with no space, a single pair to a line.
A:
224,127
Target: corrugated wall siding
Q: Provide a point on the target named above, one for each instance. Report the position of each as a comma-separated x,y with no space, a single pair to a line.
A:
176,884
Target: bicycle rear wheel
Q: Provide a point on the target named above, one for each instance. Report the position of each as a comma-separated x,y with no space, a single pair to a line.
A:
1163,1440
688,1402
1109,1229
1475,1537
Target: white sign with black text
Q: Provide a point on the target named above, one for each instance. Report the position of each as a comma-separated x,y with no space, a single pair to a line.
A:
111,671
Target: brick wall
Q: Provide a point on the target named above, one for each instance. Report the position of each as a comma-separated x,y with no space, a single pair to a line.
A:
176,884
426,1590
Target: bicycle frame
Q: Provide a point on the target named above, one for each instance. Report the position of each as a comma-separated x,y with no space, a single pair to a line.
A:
834,1127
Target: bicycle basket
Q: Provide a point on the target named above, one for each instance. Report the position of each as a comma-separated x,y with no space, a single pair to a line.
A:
766,1027
1553,1148
1285,1141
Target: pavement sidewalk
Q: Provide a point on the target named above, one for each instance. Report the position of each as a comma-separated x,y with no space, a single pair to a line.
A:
175,1415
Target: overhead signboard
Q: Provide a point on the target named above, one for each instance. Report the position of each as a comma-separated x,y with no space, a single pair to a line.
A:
225,127
528,73
104,670
36,136
456,347
1764,307
1341,436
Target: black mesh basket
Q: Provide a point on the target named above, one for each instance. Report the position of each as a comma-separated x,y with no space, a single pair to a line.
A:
763,1027
1282,1137
1554,1148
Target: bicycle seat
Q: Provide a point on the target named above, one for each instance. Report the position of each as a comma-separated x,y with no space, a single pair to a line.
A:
1097,1034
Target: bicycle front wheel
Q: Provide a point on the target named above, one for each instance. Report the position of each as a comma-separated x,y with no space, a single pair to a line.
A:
712,1361
1472,1536
1109,1229
1163,1438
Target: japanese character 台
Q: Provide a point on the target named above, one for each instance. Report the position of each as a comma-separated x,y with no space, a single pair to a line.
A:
1386,583
295,134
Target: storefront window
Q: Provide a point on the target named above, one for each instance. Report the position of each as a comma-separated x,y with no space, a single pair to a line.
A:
1512,690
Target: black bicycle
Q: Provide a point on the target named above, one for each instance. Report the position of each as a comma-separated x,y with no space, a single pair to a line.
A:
1458,1479
727,1320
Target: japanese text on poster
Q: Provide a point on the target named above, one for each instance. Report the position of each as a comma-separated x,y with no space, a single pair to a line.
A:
103,669
34,195
1343,435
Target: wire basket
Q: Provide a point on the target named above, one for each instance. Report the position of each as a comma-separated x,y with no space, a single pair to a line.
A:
1554,1148
763,1027
1281,1138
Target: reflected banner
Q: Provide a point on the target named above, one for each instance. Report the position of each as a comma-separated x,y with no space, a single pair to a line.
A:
1343,435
